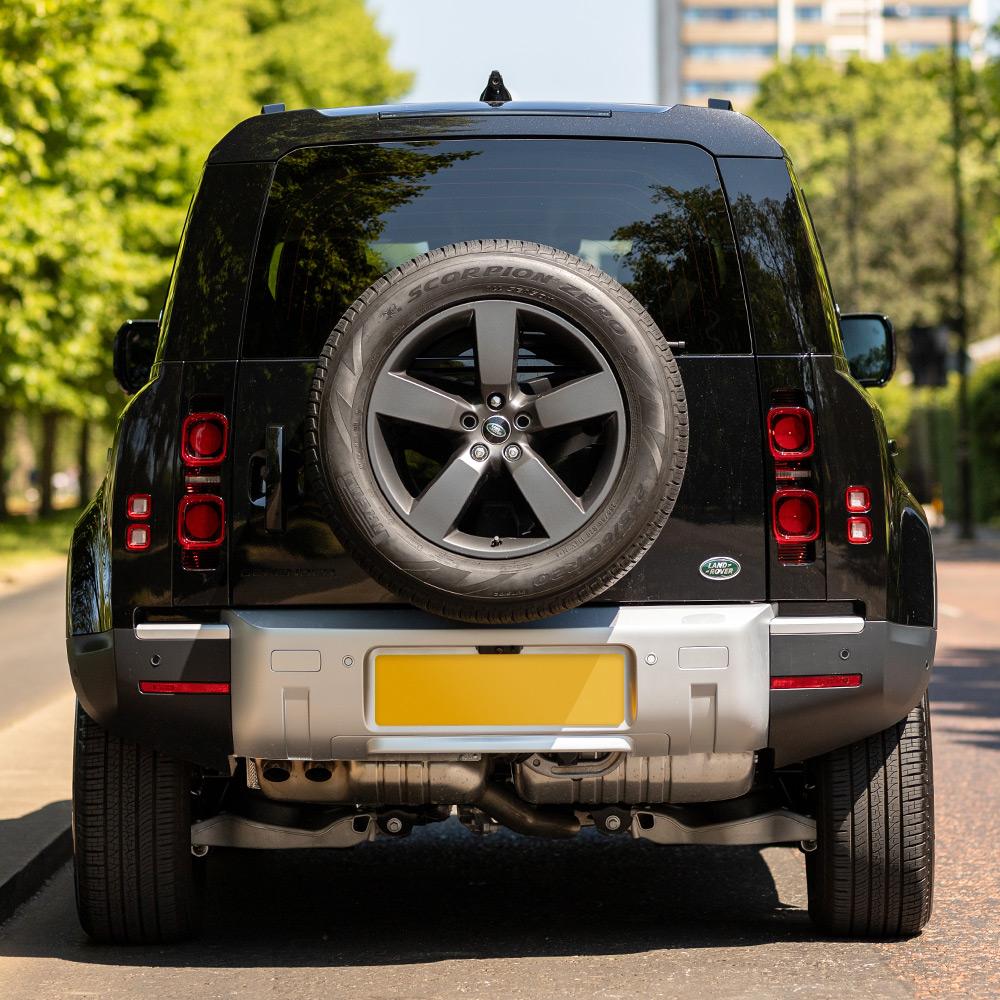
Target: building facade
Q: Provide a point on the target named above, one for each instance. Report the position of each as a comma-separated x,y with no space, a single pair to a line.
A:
721,48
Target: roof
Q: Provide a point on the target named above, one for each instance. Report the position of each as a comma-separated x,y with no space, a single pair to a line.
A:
268,137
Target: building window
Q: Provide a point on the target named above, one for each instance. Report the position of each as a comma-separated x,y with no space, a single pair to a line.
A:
720,88
730,13
813,13
919,48
806,50
928,10
731,51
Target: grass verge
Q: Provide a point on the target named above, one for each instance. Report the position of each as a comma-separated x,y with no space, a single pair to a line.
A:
25,539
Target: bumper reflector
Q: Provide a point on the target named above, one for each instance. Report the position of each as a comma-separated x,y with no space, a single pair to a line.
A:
812,681
183,687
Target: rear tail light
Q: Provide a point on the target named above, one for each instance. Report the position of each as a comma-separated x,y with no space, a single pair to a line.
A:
183,687
795,515
858,499
813,681
204,438
201,521
138,506
859,530
790,433
137,537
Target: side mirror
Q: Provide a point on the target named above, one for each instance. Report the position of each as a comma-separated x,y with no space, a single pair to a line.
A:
870,346
135,351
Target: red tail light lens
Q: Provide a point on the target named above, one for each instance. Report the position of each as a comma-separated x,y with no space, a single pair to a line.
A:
138,506
858,499
790,432
204,438
795,516
813,681
137,537
183,687
859,530
201,521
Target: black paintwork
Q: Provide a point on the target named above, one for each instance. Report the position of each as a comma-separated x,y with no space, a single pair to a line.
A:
279,550
269,137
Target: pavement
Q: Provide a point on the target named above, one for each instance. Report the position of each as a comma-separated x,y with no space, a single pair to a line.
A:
36,731
442,914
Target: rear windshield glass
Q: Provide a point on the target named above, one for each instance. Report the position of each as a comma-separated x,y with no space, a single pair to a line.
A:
790,299
651,214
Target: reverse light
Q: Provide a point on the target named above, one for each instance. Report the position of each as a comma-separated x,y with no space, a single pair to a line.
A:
859,530
183,687
808,682
204,438
138,506
790,432
858,499
201,521
795,515
137,537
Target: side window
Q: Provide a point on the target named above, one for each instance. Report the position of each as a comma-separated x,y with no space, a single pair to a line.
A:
653,215
204,307
790,301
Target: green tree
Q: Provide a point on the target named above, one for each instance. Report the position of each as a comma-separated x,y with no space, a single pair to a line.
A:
870,142
107,110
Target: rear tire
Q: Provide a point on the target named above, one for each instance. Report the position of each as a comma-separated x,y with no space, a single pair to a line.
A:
872,873
136,879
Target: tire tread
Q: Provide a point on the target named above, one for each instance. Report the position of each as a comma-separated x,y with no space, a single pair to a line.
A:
871,875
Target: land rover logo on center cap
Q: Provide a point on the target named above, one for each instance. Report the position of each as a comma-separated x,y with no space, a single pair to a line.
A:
719,568
496,429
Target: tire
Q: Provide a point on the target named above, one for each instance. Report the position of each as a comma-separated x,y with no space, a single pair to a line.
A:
498,585
136,879
872,873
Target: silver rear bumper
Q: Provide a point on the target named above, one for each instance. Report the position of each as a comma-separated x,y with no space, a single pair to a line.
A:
698,681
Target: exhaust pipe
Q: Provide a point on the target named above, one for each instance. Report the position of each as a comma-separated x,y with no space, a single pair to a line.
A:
519,816
276,770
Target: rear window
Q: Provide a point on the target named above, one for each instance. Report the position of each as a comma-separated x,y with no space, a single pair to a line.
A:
790,299
651,214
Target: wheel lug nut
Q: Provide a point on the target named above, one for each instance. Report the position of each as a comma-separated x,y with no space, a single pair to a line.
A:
494,401
512,452
480,452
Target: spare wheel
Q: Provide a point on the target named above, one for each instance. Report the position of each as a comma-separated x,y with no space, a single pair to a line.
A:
497,431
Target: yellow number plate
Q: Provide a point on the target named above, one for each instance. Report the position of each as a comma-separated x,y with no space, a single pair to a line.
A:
500,689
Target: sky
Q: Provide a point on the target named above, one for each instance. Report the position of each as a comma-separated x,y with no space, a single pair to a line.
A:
558,50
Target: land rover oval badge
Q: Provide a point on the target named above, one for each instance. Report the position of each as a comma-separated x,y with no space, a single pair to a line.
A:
719,568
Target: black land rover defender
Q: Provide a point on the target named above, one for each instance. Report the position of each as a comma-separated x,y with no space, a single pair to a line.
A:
508,461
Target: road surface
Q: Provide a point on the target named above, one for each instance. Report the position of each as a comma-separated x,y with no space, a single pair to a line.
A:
443,914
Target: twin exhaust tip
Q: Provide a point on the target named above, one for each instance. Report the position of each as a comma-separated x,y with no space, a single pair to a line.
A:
279,770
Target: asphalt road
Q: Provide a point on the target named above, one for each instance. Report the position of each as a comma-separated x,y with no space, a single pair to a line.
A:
444,914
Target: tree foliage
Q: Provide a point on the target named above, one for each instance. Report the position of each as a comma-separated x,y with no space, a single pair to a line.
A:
891,184
107,111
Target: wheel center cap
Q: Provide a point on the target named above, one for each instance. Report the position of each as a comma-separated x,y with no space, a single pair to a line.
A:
496,429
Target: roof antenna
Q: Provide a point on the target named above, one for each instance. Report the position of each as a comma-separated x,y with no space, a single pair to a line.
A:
495,93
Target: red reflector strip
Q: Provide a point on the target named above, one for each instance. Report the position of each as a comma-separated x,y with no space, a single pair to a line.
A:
809,681
183,687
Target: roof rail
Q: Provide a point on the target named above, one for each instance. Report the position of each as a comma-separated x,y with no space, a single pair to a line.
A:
720,103
272,109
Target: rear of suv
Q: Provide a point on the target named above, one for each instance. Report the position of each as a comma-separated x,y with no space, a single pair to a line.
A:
511,462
